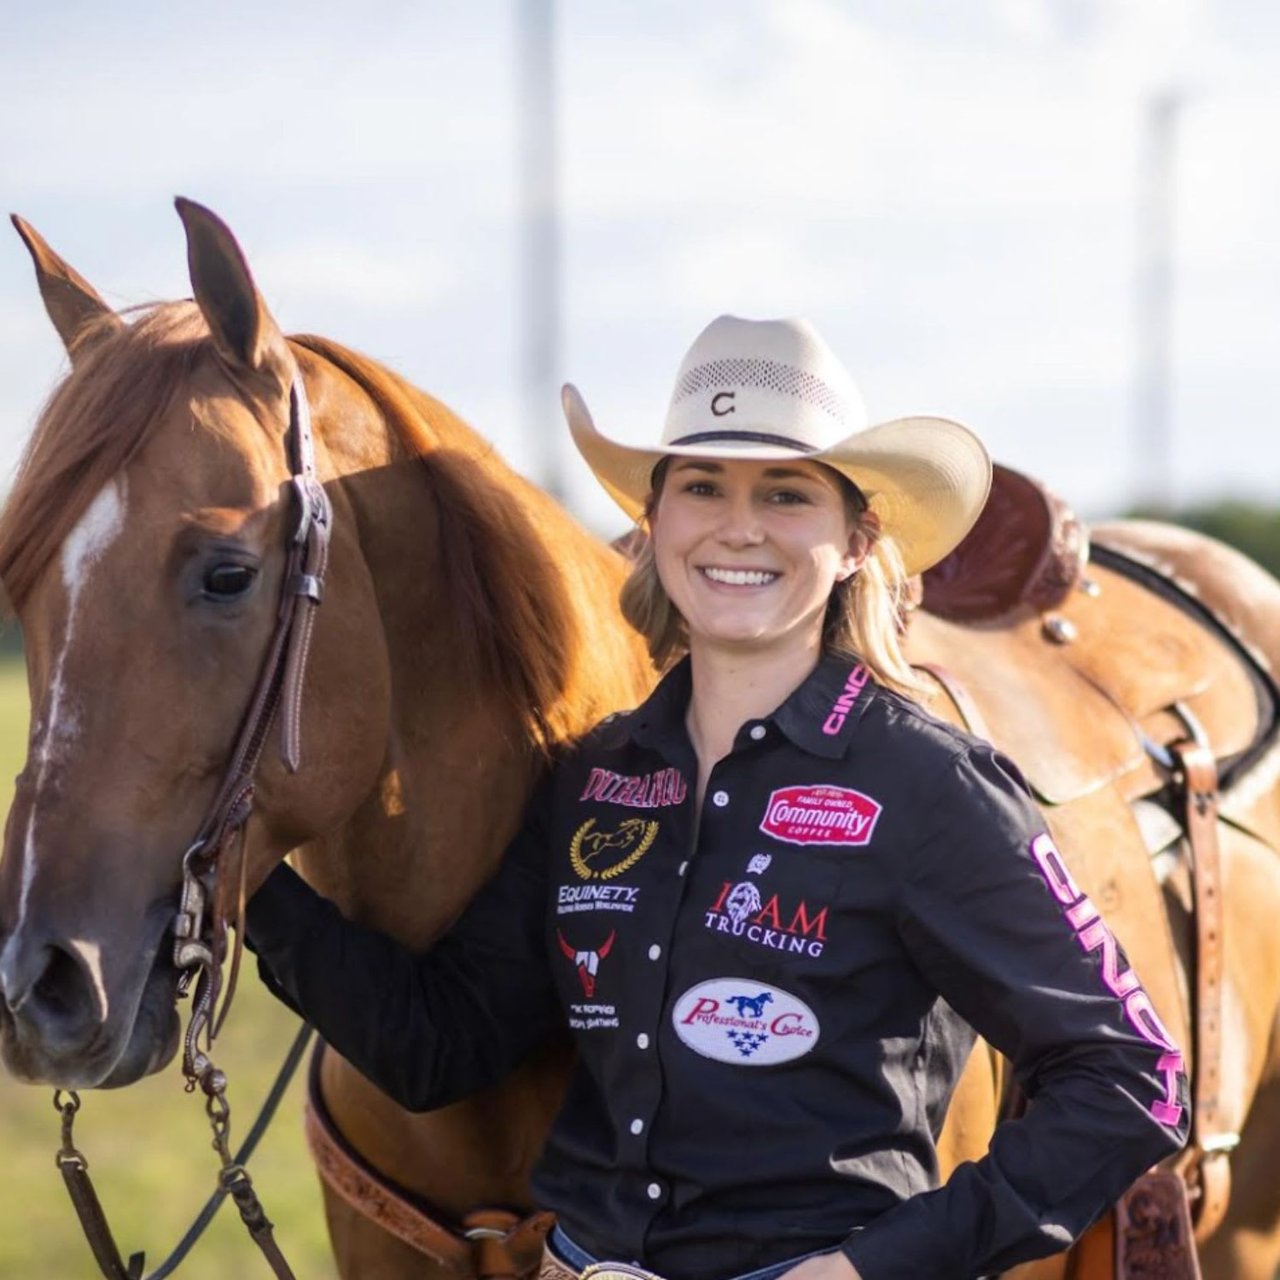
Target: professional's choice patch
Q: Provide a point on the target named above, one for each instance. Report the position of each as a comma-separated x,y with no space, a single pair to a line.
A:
820,815
644,791
791,925
744,1022
602,855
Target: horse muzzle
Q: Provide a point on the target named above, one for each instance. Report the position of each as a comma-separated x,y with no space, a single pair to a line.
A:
63,1022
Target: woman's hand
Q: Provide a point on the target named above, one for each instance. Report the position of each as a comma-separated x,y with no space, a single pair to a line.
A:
826,1266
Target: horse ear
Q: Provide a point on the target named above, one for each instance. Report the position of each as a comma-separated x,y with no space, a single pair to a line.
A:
241,326
79,315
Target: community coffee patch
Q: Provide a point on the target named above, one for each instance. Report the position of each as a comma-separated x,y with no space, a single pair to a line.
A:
820,815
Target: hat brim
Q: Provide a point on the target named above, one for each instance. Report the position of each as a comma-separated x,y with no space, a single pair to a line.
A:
926,478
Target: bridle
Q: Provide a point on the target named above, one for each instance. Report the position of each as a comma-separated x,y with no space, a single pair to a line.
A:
214,866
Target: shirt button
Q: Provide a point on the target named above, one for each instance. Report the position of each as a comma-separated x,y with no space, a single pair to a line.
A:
684,866
720,799
758,731
637,1126
654,951
642,1041
654,1191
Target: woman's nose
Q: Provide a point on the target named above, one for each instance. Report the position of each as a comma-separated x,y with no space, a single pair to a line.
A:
741,526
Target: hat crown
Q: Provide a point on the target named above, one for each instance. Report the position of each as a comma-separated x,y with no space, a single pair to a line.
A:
748,379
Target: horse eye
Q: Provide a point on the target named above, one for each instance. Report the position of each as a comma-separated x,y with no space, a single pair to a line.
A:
227,581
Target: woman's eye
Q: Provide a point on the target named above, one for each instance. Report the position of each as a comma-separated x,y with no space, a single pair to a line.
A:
227,581
788,496
700,487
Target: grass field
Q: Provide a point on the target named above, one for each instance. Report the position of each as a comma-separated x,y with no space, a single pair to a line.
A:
148,1146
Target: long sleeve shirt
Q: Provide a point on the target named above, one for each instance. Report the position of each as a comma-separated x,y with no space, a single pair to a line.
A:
772,1002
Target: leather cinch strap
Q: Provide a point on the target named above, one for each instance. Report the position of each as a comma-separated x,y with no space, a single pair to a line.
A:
489,1244
1210,1141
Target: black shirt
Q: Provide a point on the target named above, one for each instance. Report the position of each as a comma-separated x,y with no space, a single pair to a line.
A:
771,1009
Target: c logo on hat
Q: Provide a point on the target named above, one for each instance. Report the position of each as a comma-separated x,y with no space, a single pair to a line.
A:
715,403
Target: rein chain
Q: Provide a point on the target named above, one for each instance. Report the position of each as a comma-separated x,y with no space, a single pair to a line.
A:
214,870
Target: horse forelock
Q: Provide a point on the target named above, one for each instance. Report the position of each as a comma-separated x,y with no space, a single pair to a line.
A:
518,617
95,421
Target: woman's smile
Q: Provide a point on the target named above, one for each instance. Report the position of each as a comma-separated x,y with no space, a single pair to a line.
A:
726,577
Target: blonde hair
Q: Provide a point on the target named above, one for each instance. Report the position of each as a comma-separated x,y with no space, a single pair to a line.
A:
865,619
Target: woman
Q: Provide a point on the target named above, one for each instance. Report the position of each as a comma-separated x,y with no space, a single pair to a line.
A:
773,902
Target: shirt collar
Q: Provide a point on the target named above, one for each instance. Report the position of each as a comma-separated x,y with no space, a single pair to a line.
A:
819,716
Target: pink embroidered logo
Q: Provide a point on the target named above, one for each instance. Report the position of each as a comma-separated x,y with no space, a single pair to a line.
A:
1093,935
820,815
840,709
649,791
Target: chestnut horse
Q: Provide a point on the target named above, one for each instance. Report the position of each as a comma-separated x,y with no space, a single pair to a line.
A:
469,627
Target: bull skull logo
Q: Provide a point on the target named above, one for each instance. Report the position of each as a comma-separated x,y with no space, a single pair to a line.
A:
588,962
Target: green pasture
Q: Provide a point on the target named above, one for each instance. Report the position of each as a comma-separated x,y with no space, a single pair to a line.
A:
148,1146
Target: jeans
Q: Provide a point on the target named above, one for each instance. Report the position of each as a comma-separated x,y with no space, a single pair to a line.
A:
563,1247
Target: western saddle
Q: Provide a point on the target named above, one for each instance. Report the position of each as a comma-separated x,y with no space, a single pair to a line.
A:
1128,705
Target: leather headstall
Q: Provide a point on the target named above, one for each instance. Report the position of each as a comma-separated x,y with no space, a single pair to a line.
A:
213,895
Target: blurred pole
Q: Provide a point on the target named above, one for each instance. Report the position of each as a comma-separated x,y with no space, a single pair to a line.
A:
540,242
1153,400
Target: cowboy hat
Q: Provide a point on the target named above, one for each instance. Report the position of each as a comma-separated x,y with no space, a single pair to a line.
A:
768,390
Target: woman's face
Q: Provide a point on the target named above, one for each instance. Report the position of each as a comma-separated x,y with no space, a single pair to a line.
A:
750,551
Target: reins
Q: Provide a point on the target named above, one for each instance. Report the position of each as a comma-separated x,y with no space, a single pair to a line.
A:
214,883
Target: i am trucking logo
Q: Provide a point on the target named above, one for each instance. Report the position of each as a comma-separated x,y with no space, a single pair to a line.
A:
743,912
820,815
743,1022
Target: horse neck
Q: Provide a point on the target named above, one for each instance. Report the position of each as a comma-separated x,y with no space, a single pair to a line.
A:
459,765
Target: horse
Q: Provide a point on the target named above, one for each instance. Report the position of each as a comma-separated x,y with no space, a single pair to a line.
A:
469,628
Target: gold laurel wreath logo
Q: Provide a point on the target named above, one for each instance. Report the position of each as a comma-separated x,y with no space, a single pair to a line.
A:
631,828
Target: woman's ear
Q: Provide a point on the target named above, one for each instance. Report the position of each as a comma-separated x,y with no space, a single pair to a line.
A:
862,537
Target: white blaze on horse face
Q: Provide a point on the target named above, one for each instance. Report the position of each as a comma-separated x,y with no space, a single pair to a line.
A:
95,531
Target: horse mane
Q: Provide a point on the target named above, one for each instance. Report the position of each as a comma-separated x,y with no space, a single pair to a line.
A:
96,420
518,607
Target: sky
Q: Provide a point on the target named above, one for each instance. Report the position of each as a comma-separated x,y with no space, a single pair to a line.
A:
950,191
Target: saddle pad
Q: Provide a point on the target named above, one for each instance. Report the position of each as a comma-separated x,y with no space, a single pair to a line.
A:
1043,701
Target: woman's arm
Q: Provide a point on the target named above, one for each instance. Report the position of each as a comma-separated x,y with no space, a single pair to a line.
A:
983,913
430,1027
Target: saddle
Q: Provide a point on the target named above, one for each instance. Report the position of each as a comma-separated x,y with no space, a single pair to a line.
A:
1125,703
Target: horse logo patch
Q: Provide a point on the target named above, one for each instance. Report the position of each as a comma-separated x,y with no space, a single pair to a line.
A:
601,855
820,815
744,1022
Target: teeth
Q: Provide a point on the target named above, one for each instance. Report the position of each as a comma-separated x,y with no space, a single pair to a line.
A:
740,577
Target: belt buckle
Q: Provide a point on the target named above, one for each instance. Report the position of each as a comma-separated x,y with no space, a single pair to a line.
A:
616,1271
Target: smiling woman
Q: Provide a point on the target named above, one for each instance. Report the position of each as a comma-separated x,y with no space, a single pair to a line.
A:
774,1010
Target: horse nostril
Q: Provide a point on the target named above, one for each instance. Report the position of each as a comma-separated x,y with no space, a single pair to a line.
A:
59,988
51,989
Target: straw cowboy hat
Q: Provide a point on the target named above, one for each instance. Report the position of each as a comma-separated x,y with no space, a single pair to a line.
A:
773,389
